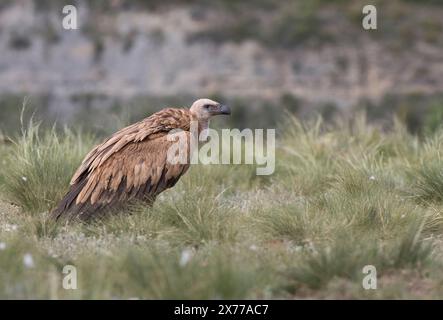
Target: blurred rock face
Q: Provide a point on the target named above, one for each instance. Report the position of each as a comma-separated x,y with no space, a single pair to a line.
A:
125,53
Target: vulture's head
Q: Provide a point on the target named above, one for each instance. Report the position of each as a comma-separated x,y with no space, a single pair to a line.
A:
204,109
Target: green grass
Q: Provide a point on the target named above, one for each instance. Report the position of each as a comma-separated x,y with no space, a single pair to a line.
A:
343,196
39,167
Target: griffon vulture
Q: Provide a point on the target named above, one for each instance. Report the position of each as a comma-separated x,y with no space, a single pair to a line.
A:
132,163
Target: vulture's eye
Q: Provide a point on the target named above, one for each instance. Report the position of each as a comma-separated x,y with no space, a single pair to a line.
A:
207,106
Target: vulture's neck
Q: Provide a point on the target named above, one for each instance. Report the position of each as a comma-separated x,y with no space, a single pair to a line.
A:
203,126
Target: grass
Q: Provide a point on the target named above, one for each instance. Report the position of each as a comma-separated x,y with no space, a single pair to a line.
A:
38,172
343,196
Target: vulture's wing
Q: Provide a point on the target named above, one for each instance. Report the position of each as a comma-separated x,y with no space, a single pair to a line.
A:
155,126
131,165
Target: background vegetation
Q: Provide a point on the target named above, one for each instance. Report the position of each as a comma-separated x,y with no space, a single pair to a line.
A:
283,29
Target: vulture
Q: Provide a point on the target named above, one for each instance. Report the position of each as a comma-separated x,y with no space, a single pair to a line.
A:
132,164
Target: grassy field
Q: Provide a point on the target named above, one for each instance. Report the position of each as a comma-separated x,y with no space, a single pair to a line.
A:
343,196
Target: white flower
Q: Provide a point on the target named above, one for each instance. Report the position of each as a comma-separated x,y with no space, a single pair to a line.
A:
28,260
253,247
371,178
24,179
298,248
185,257
2,246
10,227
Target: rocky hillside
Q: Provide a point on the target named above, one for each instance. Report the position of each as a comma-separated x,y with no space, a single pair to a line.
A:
314,51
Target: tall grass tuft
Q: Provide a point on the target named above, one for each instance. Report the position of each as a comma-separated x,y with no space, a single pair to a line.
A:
194,218
38,166
429,182
209,274
346,256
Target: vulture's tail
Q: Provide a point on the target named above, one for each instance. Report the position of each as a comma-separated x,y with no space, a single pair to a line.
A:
68,209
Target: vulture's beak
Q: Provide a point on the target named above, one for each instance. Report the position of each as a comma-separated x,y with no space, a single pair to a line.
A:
224,109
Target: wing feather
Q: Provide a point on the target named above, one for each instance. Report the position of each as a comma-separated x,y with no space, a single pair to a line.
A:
150,128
